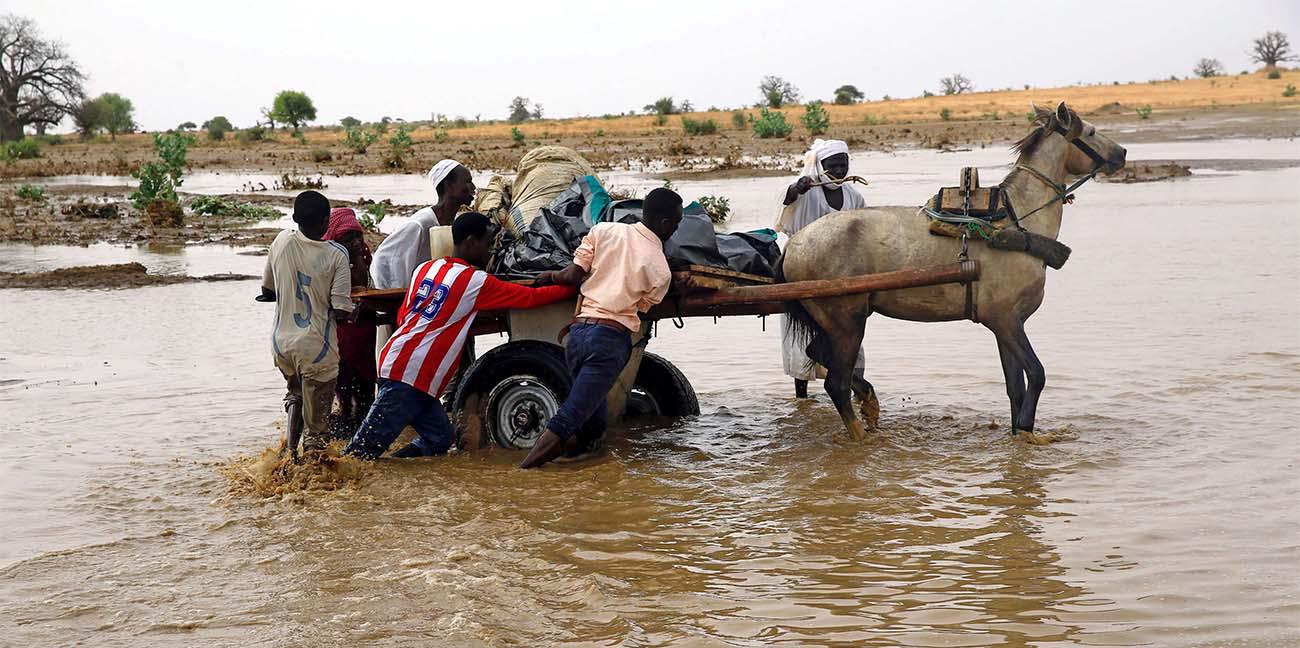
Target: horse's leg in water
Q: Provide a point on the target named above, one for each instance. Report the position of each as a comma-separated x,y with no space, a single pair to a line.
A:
1014,375
866,393
1035,379
838,353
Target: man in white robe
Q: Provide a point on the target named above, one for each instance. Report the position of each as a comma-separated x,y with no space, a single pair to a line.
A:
806,200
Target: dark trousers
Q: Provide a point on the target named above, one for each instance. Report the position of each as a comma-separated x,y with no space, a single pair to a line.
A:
398,406
595,355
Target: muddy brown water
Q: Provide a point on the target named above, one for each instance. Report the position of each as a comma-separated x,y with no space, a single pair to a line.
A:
1170,516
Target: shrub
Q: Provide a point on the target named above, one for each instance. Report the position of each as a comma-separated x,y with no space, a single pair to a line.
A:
49,140
770,123
1030,117
600,132
34,193
926,94
252,134
1274,74
517,136
815,118
371,217
945,114
217,127
159,180
663,106
991,116
296,183
661,120
872,120
23,149
349,122
1289,91
738,119
321,155
699,126
398,146
358,140
717,207
218,206
886,98
1144,112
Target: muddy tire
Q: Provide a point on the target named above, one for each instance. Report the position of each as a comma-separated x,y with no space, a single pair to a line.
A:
509,394
661,389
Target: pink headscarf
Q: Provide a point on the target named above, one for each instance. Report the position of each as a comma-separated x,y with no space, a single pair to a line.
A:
342,221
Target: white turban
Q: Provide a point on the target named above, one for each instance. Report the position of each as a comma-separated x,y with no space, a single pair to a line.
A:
821,149
442,169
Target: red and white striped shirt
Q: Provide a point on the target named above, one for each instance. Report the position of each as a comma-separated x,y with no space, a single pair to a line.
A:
439,308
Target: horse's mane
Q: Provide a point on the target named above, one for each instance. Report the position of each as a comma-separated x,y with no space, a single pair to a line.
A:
1043,125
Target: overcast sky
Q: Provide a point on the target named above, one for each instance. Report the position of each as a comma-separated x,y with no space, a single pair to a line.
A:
187,61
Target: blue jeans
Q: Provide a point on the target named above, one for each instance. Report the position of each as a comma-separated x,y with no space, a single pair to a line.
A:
595,355
397,406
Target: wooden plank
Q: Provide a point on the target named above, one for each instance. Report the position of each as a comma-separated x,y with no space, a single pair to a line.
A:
896,280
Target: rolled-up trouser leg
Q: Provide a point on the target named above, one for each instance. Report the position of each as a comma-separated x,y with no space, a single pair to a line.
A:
317,400
595,355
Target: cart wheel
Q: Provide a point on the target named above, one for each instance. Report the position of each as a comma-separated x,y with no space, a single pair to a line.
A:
516,388
661,390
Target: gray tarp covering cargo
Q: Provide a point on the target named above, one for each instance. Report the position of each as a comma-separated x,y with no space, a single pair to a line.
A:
549,240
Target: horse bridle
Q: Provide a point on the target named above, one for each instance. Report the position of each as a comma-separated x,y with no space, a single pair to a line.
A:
1064,194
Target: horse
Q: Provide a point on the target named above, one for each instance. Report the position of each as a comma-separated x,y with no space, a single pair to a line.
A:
1009,290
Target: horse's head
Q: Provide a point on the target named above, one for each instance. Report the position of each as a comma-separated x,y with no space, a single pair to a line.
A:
1090,149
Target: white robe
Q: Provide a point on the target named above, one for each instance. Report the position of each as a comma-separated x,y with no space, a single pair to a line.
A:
808,208
396,259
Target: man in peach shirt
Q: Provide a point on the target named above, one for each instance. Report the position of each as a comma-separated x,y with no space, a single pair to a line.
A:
623,272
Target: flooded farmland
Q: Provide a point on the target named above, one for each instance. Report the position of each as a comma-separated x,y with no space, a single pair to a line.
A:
1170,515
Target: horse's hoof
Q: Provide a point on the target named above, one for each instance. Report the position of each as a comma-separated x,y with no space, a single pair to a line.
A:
870,409
856,432
1033,438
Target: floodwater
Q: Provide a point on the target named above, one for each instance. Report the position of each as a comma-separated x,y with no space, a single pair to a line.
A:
1169,517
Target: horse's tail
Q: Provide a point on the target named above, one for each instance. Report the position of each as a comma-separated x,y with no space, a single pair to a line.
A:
805,329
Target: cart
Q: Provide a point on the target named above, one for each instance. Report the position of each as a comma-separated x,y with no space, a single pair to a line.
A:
507,395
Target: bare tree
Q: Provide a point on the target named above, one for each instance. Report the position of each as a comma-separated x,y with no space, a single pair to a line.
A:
1272,48
956,84
777,92
39,82
1208,67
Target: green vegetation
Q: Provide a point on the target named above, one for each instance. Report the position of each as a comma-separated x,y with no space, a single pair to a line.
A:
108,112
26,148
1144,112
350,122
218,206
187,126
296,183
815,118
371,217
777,92
399,145
738,119
991,116
321,155
926,94
255,133
34,193
945,114
955,85
1274,74
717,207
159,180
1289,91
770,123
358,141
872,120
217,127
293,108
699,126
846,95
600,132
517,136
663,106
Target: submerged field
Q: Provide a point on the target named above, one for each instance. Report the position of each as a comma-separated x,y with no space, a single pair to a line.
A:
1231,106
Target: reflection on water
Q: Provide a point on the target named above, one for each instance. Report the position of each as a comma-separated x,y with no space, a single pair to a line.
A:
1170,519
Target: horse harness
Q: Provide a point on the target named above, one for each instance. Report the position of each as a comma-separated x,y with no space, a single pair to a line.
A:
982,207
